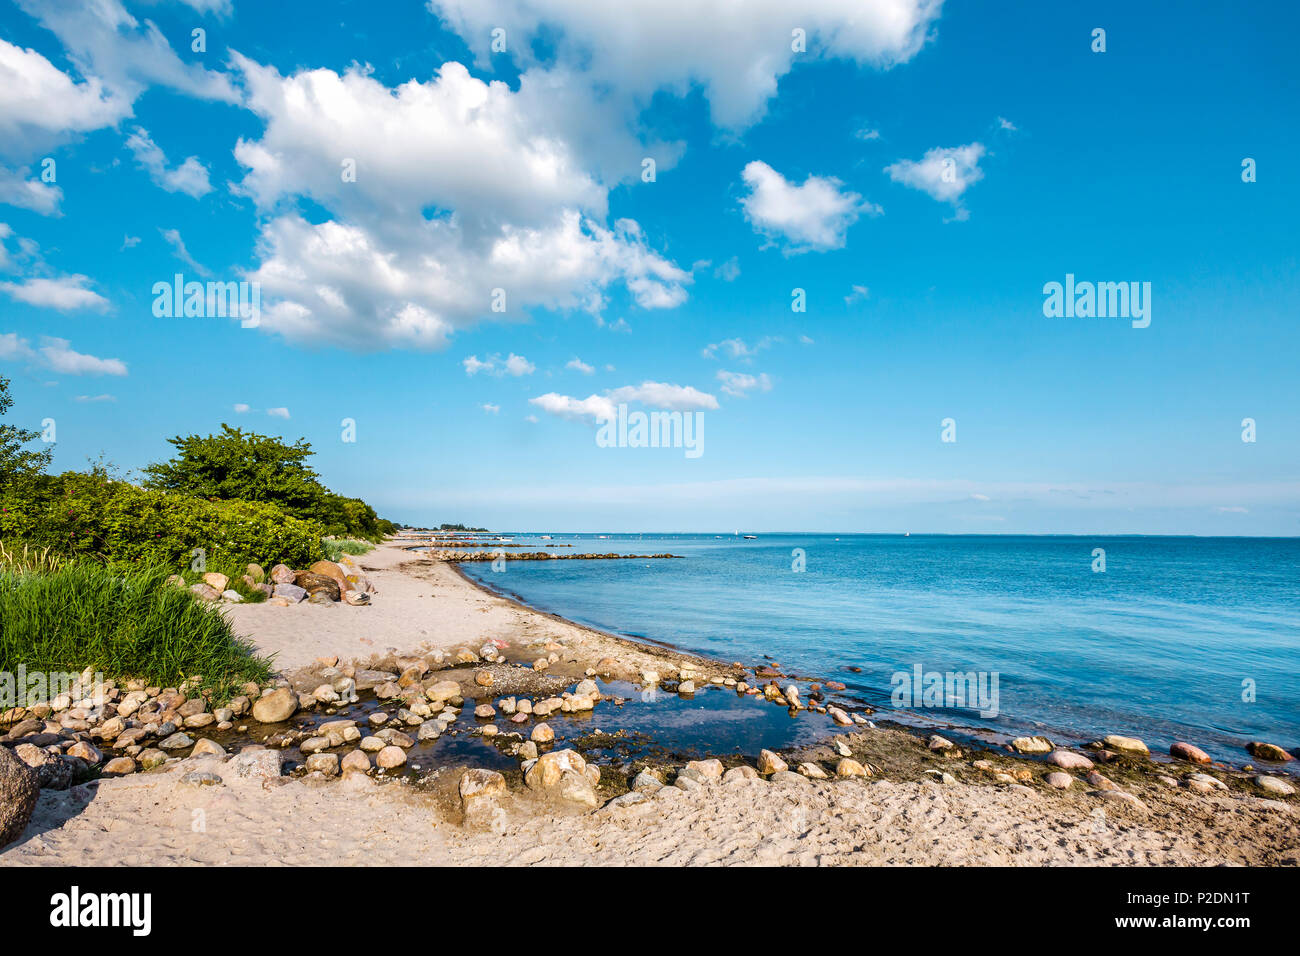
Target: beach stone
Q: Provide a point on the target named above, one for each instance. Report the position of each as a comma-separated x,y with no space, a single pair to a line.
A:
315,584
119,767
177,741
1100,782
848,767
788,778
1128,745
577,788
372,744
443,690
85,751
19,788
739,774
484,678
390,757
152,758
1031,745
429,730
479,789
281,574
290,592
206,746
314,744
686,687
945,778
1119,796
631,798
1059,780
939,743
1204,783
770,763
587,688
1265,751
1186,751
199,721
276,707
646,781
200,778
355,762
485,711
709,770
327,764
257,762
687,782
1274,785
812,771
395,738
542,734
839,716
1069,760
549,768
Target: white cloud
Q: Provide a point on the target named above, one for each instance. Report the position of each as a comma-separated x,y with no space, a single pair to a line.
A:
513,365
740,384
490,408
805,340
130,242
41,106
1006,124
173,238
814,216
103,40
278,412
16,189
65,293
738,348
57,355
515,210
729,271
944,173
857,293
578,365
867,134
190,177
736,52
240,408
96,398
602,407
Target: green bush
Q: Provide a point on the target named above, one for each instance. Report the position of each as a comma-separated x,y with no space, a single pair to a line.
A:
335,548
122,624
119,523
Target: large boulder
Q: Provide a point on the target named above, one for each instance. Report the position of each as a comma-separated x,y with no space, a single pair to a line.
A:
315,584
290,592
331,570
275,707
281,574
18,793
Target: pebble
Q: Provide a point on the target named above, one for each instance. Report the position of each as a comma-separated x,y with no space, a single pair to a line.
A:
1274,785
768,762
206,746
849,767
390,757
327,764
356,762
1130,745
542,734
1204,783
738,774
842,748
812,771
176,741
119,767
1032,745
939,743
1069,760
1059,780
1186,751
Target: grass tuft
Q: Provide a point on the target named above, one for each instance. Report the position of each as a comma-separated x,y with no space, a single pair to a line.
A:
130,624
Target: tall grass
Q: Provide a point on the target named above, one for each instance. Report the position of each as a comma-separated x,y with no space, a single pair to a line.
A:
129,624
335,548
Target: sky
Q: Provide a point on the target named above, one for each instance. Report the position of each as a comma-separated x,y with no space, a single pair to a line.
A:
825,234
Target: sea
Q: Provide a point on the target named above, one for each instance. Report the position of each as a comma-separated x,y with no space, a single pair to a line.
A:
1162,638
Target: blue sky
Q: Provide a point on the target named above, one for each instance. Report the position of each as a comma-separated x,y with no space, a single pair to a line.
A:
775,170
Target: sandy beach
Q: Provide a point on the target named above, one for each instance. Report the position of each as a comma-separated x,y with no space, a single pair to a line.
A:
919,806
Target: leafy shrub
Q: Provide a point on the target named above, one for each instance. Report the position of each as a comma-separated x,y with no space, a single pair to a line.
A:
122,624
335,548
88,515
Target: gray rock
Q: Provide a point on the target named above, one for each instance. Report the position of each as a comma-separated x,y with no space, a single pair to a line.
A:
176,742
201,778
290,591
257,762
19,789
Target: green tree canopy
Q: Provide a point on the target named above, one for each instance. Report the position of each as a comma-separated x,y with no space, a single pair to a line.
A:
15,461
239,465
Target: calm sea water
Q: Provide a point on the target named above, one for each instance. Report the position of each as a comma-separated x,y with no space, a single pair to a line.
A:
1166,644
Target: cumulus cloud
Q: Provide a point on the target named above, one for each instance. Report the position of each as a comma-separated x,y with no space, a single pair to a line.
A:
490,408
57,355
65,293
190,177
280,412
462,198
943,173
736,52
241,408
127,56
578,365
603,407
814,216
740,384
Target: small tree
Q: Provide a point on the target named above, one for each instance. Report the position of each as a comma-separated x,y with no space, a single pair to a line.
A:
15,462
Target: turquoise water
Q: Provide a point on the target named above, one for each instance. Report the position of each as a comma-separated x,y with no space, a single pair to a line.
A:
1164,645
